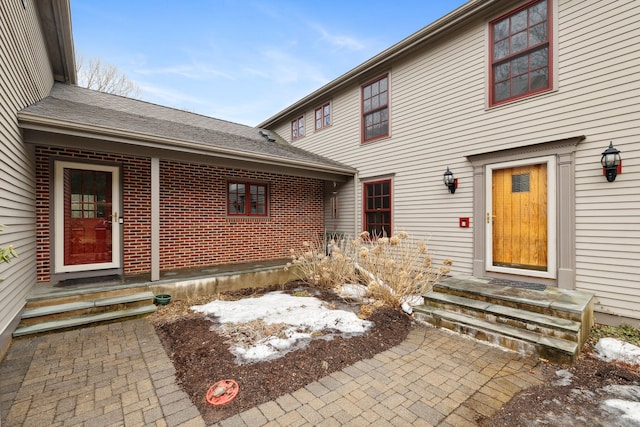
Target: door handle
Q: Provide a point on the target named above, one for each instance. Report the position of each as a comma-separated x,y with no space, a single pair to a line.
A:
489,217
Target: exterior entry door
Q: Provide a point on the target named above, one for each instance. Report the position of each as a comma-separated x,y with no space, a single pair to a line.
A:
87,235
521,236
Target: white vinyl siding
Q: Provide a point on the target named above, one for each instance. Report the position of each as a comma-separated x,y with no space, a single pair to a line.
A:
25,77
439,116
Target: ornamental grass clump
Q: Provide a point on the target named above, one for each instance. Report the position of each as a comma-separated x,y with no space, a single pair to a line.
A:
393,271
398,269
323,264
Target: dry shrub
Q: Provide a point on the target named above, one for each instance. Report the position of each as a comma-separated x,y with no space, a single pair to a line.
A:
392,269
249,333
397,268
324,264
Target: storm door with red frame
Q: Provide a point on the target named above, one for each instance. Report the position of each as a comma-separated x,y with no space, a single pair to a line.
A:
86,217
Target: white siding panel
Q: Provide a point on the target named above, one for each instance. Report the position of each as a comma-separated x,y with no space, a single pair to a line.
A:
25,77
439,116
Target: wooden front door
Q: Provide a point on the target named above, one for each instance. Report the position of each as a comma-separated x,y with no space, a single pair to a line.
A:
87,221
519,230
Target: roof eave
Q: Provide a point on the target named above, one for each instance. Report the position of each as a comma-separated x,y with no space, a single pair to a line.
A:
45,124
383,58
55,21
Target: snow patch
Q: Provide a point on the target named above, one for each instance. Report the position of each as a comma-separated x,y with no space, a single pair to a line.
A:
305,315
630,410
564,377
611,349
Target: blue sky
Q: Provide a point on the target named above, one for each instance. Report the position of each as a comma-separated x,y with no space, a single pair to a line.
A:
241,61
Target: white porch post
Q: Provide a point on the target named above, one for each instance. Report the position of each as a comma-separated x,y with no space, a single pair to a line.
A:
155,219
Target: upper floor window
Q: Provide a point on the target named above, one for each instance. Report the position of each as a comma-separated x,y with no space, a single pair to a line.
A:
377,208
323,116
375,109
520,52
246,199
297,128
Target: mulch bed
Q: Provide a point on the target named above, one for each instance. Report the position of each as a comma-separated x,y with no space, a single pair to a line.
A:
202,358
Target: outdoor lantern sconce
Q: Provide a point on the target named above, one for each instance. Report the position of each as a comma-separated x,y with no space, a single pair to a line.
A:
611,163
450,181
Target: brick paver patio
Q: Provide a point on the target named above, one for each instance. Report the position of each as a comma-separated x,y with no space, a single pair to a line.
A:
119,374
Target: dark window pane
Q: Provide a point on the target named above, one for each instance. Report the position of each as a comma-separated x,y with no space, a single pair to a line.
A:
518,42
501,49
375,89
540,58
540,79
367,92
538,34
501,72
520,65
367,105
375,102
519,85
538,13
383,84
520,183
518,22
500,30
502,91
383,98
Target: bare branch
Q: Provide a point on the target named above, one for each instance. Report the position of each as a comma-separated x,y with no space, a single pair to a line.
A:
97,75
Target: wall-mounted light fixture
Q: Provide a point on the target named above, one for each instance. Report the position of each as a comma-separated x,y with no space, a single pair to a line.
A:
450,181
611,163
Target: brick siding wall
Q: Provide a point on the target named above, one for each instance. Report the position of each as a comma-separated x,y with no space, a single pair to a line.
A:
194,227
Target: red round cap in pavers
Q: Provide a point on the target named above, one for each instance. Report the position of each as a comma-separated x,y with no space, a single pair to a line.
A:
222,392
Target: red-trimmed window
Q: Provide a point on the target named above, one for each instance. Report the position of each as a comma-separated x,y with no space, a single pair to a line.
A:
375,109
377,208
246,199
297,128
521,52
323,116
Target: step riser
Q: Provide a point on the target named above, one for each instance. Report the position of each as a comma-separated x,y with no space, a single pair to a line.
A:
520,346
82,321
577,317
89,296
517,323
82,312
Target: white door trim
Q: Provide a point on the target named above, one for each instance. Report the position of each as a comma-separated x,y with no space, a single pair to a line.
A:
58,213
550,273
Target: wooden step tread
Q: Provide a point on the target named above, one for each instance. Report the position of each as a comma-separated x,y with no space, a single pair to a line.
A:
83,320
83,305
564,346
501,310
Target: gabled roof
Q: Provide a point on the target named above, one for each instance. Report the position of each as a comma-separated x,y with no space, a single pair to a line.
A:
100,116
378,63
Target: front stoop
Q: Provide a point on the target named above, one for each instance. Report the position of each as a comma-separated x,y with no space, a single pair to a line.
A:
83,309
551,323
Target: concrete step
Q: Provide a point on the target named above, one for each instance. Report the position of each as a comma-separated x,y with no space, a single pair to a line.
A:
555,302
60,296
83,320
84,305
517,339
537,322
